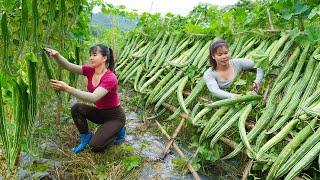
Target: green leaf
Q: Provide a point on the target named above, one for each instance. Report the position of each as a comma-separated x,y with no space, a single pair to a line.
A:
302,39
38,167
105,10
300,8
8,3
122,7
76,34
294,32
98,170
240,82
240,15
313,33
7,81
250,18
260,59
132,162
31,57
177,161
314,12
127,148
287,16
210,154
226,18
196,166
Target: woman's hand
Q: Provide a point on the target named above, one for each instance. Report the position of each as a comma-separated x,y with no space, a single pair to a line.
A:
235,95
255,88
51,52
59,85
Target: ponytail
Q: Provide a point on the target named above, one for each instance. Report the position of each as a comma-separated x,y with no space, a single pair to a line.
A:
111,60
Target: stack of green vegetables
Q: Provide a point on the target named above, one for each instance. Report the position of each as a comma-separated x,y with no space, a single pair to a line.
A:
164,68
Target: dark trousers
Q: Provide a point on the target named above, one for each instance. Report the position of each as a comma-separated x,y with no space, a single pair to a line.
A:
112,121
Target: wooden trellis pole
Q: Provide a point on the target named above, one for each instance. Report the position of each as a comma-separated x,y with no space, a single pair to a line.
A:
180,153
163,154
113,37
247,170
270,20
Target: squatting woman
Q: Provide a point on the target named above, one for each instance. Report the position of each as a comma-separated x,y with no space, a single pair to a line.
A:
102,91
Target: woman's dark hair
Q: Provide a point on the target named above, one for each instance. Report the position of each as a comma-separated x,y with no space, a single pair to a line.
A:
105,51
213,49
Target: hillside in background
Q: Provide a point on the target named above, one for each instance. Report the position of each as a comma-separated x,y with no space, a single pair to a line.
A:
124,23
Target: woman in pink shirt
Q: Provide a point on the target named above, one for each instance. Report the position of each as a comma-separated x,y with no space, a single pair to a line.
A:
103,92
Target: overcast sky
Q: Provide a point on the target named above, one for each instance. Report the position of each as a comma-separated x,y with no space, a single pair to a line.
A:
182,7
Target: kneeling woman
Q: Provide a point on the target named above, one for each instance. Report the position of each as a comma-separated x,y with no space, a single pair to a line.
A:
223,71
103,92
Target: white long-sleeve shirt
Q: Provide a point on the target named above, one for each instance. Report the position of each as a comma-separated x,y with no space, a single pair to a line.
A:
215,85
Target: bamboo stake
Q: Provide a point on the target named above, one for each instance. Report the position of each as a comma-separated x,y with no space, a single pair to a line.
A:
58,105
82,63
243,32
163,154
113,38
194,155
247,170
202,98
180,153
267,31
229,142
270,20
172,108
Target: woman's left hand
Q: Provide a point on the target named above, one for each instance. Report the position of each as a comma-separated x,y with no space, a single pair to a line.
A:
59,85
255,88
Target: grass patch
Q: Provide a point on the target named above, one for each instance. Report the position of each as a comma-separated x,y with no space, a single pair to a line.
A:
87,165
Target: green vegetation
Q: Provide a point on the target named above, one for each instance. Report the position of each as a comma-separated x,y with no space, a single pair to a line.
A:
164,59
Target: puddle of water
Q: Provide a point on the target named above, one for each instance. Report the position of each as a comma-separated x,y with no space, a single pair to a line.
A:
132,115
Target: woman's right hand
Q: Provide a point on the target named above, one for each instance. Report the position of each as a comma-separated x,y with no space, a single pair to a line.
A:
235,95
51,52
255,88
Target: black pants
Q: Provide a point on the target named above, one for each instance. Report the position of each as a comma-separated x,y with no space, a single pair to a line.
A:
112,121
